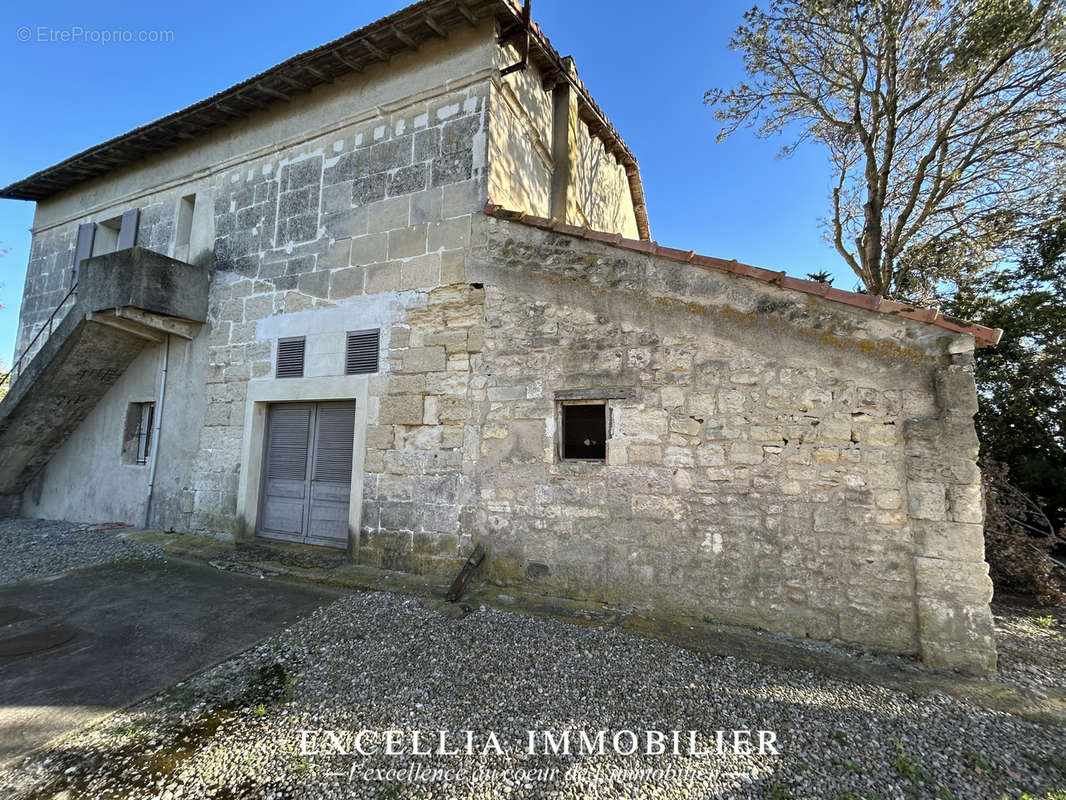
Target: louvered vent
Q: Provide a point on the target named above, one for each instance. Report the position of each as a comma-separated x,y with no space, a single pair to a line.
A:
362,354
290,358
336,433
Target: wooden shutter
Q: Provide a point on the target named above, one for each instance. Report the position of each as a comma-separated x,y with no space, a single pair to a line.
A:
331,477
285,489
333,445
289,428
127,234
83,249
361,355
290,358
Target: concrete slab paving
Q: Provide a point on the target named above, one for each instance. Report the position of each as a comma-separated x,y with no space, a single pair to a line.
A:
139,627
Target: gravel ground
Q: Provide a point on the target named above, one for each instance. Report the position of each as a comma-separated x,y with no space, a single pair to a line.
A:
36,548
379,661
1031,645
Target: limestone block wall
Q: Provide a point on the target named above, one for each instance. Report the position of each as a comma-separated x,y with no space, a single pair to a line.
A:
766,455
382,208
947,511
520,139
420,468
523,158
601,194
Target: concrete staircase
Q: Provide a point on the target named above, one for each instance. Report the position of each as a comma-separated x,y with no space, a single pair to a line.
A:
124,301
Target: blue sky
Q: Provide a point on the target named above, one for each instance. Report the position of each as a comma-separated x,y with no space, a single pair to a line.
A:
646,64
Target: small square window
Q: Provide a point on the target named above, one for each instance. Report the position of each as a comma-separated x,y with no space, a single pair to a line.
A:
106,240
583,428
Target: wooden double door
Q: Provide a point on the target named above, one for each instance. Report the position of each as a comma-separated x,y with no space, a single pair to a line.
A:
307,473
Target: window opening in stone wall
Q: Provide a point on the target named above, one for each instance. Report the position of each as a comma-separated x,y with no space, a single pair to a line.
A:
583,431
106,240
137,440
183,234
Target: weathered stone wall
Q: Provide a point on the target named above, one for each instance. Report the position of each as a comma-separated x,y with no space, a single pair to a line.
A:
382,208
524,155
420,455
601,197
945,505
774,460
757,472
520,139
310,234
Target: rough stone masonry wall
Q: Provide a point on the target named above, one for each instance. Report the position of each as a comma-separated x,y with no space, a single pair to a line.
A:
382,208
757,474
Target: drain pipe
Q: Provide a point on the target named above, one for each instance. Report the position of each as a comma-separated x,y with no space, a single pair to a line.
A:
157,422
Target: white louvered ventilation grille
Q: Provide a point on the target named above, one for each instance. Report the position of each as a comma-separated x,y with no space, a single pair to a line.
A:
290,358
361,356
289,430
336,433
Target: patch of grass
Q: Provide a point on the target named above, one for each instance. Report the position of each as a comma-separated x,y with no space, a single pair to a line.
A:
1048,622
911,768
944,793
1051,762
259,711
854,767
839,737
267,684
179,696
389,791
302,765
125,731
778,791
981,762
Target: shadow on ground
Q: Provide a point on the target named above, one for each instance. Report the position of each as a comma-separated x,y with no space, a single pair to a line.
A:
137,626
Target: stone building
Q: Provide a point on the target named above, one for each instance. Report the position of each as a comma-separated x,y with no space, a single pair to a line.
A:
398,294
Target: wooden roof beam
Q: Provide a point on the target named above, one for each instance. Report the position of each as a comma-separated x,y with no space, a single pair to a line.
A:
467,13
374,50
318,74
403,37
434,26
349,64
262,87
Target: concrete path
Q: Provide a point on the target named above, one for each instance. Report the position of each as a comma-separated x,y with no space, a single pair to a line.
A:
123,631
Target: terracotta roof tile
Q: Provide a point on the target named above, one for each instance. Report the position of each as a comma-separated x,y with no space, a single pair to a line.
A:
983,336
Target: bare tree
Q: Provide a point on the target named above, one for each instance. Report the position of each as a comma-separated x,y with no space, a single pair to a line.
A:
943,120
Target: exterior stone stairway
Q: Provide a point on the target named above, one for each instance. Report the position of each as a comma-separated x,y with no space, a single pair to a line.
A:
123,302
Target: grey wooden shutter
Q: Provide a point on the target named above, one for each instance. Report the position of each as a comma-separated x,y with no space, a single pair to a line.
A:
361,355
289,430
335,435
290,358
83,249
285,491
127,234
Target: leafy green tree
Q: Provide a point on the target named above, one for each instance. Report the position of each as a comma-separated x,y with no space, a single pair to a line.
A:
1022,380
936,115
